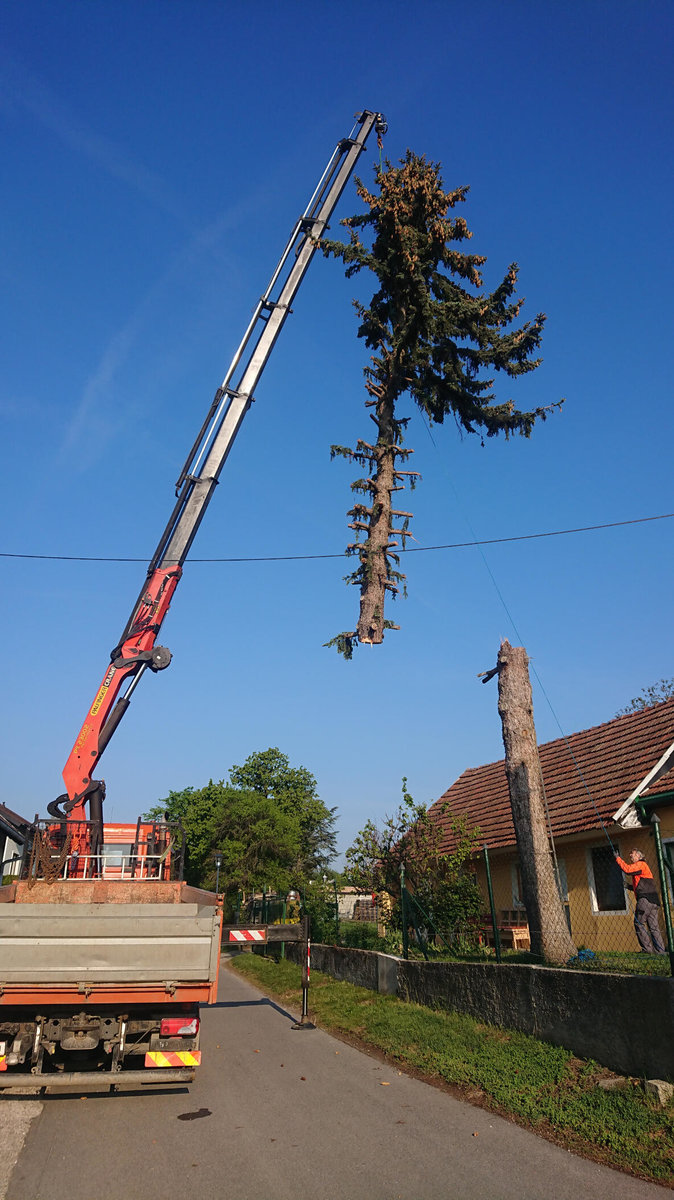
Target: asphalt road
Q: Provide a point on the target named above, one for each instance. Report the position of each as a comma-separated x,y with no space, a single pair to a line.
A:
280,1114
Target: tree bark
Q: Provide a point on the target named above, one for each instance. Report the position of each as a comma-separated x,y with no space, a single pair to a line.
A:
375,557
548,930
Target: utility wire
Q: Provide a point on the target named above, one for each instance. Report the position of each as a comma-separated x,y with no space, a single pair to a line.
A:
518,635
522,537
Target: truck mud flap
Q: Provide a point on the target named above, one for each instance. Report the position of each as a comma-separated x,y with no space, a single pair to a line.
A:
93,1081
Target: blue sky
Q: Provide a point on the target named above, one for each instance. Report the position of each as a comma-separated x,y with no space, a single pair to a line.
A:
155,158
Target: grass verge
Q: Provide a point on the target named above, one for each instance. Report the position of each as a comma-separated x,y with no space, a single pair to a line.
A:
543,1087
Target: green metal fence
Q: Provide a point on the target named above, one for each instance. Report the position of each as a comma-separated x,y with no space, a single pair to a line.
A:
603,929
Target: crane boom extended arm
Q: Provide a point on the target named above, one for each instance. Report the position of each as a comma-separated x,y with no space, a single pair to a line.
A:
137,649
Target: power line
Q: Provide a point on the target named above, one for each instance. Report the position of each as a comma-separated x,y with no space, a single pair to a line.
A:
522,537
511,618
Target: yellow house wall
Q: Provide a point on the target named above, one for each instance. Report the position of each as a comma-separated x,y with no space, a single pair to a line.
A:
596,930
501,880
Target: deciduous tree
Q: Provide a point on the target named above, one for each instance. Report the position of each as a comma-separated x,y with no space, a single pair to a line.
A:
267,820
649,696
295,791
440,881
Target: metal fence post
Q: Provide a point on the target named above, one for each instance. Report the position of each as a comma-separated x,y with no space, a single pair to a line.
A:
304,1022
334,884
403,910
655,822
497,936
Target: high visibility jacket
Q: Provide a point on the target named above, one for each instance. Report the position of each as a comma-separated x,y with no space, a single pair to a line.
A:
642,879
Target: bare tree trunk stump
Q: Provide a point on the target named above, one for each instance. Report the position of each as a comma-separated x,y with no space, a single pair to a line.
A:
548,929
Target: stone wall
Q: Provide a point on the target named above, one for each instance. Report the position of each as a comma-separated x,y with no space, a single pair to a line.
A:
625,1022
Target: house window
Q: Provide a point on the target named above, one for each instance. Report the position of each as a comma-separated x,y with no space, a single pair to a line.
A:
607,889
516,881
118,854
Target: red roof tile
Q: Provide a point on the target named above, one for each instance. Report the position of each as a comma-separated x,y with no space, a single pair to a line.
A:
587,776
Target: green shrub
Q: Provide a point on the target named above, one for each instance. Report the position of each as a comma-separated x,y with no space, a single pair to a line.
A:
360,935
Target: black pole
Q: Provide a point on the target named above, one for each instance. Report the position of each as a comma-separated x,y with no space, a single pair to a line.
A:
497,936
403,908
304,1022
655,822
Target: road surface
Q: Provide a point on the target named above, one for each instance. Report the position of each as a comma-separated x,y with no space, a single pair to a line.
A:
281,1114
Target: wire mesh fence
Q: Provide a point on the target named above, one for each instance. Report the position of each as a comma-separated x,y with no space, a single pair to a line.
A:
608,925
595,921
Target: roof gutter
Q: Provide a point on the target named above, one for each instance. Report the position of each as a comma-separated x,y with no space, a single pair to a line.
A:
645,804
628,814
12,832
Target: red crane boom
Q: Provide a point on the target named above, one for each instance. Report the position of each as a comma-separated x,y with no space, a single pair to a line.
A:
137,648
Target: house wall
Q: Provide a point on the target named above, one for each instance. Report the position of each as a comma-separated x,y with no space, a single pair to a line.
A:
9,851
600,931
346,902
500,867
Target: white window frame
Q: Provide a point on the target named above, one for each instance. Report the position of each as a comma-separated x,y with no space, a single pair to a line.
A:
597,911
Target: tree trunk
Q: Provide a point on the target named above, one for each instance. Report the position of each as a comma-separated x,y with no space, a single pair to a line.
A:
548,929
375,557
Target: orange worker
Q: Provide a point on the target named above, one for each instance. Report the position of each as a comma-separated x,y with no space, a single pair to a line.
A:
646,924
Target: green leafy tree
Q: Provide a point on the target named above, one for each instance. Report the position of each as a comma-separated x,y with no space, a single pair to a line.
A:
259,842
319,903
649,696
437,337
295,791
267,820
440,880
197,811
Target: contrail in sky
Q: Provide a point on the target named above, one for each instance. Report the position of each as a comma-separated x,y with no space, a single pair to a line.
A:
21,88
203,242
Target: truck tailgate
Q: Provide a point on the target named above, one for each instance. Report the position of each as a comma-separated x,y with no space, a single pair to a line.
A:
111,943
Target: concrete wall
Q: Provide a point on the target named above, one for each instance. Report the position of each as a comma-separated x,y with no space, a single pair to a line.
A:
625,1022
353,966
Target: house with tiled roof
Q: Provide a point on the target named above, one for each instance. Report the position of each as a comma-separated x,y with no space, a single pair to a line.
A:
602,787
13,833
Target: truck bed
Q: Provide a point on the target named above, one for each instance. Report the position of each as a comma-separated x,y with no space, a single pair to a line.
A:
81,934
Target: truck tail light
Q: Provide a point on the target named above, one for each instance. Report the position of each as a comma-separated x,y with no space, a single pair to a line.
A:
179,1027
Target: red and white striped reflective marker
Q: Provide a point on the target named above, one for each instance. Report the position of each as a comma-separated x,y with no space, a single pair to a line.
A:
247,935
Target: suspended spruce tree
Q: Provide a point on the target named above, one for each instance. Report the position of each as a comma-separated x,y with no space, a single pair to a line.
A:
435,336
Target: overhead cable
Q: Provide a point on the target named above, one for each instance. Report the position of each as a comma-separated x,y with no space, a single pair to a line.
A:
522,537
